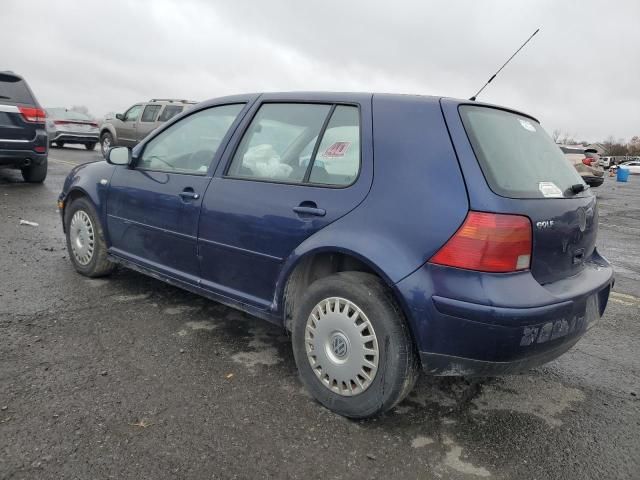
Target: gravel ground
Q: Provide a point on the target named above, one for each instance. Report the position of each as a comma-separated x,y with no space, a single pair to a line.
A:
129,378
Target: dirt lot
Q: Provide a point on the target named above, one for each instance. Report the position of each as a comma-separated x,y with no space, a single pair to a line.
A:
128,378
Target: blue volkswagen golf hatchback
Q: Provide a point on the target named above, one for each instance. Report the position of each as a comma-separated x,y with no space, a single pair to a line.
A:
385,232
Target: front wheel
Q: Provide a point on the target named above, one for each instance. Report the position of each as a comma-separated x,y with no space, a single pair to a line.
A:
352,345
106,142
60,144
90,146
85,239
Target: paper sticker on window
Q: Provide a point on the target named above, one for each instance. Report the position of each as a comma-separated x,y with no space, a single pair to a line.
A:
527,125
338,149
549,190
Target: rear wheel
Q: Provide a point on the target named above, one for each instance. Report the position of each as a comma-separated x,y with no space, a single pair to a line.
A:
106,142
85,240
60,144
35,173
90,146
352,346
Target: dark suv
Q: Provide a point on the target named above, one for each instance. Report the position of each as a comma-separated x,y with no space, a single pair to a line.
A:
383,231
23,137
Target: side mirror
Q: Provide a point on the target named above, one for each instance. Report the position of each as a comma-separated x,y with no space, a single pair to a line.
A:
119,156
120,116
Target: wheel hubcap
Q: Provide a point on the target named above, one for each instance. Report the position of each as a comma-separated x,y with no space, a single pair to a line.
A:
81,237
106,144
341,346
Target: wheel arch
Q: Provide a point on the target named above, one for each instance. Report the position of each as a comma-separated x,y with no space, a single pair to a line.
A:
110,129
302,270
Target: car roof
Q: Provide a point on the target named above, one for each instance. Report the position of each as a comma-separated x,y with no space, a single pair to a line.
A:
355,97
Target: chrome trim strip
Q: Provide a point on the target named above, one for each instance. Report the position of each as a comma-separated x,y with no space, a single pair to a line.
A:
9,108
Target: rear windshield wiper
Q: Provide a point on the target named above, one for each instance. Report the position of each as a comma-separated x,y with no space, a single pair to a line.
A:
577,188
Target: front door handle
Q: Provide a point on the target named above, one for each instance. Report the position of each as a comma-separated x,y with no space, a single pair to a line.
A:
304,209
189,194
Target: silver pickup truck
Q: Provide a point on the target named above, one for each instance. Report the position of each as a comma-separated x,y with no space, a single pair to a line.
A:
128,128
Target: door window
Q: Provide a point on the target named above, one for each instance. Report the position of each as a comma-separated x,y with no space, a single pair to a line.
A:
337,160
133,113
189,145
150,113
281,144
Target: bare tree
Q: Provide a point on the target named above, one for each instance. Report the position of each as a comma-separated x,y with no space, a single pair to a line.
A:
556,135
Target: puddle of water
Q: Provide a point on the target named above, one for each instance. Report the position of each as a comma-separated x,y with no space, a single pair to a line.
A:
453,459
545,399
262,354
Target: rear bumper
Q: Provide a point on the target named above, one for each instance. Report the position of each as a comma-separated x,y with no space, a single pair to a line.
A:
81,138
20,158
472,323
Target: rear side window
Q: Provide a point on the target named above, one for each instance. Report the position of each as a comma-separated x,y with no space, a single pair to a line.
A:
517,157
14,90
338,158
169,112
300,143
150,113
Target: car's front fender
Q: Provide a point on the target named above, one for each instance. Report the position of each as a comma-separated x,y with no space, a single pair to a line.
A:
90,180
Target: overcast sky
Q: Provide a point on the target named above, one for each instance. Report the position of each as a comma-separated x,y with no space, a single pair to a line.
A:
581,73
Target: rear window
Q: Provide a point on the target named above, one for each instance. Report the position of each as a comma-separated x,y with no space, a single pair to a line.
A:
63,114
14,90
517,157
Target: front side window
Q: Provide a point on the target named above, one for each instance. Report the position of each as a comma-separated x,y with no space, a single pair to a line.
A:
133,113
282,144
190,145
150,113
170,111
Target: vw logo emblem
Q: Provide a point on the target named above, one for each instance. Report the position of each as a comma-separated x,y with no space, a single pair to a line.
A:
339,345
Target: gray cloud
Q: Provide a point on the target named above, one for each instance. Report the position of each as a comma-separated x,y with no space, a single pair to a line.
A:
580,74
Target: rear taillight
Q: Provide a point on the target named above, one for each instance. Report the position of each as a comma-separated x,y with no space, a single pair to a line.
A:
32,114
588,161
488,242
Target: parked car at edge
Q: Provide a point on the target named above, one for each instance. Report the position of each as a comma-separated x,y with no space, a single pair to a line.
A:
128,128
586,162
471,251
633,166
23,138
68,126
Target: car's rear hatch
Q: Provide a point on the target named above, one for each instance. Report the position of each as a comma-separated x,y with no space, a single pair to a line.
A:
512,166
17,103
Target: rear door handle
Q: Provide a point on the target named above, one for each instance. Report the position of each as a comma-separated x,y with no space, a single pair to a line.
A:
317,212
189,195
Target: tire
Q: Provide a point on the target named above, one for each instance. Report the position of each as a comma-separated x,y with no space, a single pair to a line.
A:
90,146
397,362
97,263
106,142
35,173
60,144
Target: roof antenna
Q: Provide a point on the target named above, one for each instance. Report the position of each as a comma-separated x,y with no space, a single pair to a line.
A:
473,99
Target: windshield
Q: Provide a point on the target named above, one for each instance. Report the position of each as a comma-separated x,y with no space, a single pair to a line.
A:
517,157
